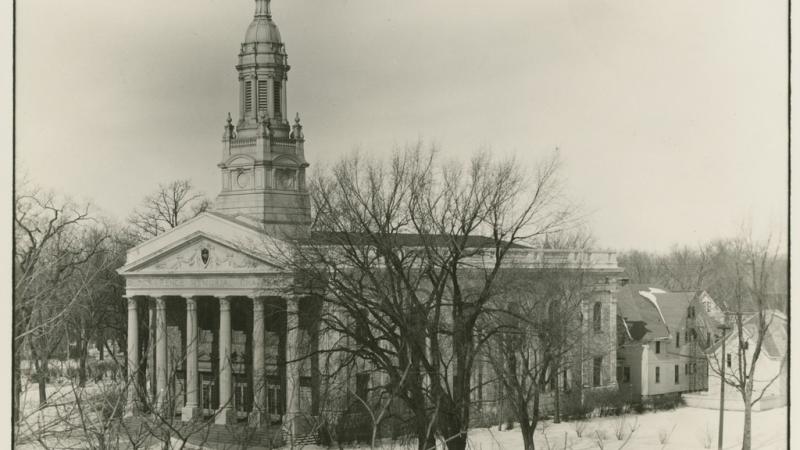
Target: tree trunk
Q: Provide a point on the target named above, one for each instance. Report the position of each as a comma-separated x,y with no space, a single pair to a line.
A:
457,441
17,374
748,409
527,435
425,441
557,415
41,371
82,355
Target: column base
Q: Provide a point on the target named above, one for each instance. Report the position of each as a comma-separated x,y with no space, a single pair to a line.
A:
189,413
257,419
296,424
225,416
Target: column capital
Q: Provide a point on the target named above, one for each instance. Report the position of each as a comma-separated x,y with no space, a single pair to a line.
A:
160,303
258,304
191,302
132,302
224,303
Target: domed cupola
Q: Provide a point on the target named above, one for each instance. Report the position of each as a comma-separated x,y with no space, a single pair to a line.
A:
262,29
263,158
262,75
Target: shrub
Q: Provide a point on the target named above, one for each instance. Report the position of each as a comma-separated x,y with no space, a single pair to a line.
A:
606,403
619,427
664,435
580,427
664,402
354,428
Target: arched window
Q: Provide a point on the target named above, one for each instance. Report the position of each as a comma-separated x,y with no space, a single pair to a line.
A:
597,317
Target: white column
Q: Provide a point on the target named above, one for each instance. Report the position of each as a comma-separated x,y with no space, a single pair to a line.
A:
133,356
161,353
259,412
225,414
292,366
191,409
150,352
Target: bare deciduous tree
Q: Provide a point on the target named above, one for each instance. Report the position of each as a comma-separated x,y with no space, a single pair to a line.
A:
166,208
537,335
751,318
49,251
407,255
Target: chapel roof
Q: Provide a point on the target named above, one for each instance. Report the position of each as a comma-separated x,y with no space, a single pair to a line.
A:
403,239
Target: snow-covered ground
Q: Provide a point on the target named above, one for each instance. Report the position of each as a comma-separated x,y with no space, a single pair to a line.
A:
684,429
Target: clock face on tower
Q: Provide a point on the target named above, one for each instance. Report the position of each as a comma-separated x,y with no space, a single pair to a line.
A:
243,180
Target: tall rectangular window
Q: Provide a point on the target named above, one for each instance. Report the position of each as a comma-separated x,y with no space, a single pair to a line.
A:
263,101
658,374
248,96
276,97
677,374
678,339
658,347
598,366
626,374
362,385
597,317
728,358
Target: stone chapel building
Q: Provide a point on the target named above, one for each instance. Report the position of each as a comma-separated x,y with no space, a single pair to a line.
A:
211,328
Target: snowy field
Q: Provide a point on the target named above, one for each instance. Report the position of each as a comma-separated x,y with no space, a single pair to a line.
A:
682,429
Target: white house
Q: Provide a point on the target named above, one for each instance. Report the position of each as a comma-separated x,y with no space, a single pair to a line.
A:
770,375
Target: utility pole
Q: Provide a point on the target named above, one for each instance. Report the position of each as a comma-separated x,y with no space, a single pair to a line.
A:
724,327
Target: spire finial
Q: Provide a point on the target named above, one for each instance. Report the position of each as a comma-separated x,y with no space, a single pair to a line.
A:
262,9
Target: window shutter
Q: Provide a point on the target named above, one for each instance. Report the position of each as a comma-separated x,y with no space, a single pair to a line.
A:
262,95
276,97
248,96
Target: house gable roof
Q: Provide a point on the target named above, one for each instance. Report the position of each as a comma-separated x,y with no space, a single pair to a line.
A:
651,313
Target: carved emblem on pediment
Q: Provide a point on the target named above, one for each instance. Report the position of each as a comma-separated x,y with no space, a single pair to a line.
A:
207,256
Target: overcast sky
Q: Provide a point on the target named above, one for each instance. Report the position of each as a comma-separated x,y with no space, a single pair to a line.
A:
671,117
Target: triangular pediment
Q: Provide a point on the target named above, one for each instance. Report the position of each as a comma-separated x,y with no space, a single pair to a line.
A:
207,244
202,254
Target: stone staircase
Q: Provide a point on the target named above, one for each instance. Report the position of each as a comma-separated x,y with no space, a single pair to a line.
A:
203,436
305,439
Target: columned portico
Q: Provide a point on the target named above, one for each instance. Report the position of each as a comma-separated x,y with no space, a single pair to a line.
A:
238,354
